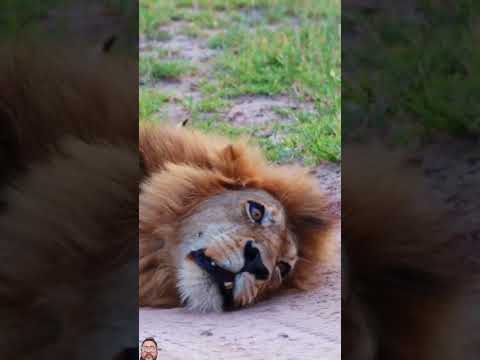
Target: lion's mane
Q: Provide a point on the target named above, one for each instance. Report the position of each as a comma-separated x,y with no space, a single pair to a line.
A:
194,167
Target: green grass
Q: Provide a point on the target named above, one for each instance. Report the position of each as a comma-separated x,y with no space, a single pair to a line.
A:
191,30
263,48
150,102
206,19
153,14
305,138
14,14
160,35
228,38
22,16
430,80
154,70
269,63
169,70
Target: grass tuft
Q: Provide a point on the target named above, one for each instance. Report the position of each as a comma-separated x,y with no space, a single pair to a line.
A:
153,69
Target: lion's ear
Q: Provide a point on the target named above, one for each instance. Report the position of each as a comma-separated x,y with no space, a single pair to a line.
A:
183,123
230,154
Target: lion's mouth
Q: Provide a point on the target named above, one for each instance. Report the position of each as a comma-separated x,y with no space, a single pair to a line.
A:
223,278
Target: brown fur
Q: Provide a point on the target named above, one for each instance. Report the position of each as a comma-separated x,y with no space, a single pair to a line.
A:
43,99
69,201
404,272
195,167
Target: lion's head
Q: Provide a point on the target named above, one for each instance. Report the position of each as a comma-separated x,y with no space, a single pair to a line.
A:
219,227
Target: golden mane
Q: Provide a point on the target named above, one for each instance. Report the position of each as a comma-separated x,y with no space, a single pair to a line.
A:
194,167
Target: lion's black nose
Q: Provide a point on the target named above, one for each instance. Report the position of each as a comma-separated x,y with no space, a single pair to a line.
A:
253,262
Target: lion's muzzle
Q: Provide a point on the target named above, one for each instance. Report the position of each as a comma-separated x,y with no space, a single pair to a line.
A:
225,279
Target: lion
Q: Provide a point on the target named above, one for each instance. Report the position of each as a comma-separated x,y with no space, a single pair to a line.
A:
219,227
68,202
409,281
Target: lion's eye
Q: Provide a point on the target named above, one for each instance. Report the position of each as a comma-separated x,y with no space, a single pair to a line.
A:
284,268
255,211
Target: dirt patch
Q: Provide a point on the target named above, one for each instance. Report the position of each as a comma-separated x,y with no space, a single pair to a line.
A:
452,169
258,110
184,88
194,49
175,113
329,180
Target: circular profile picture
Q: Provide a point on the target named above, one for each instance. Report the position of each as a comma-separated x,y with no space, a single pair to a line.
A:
148,350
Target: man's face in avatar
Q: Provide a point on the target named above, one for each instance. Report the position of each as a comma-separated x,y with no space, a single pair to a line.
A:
149,350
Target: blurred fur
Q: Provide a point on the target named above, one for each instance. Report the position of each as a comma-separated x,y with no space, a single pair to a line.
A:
48,92
68,194
407,290
191,168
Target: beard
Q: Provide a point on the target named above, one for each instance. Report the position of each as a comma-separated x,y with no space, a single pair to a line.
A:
148,357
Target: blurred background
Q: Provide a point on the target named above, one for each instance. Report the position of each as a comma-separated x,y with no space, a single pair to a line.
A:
69,179
86,21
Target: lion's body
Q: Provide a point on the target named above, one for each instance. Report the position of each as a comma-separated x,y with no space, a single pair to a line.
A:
408,289
68,196
183,170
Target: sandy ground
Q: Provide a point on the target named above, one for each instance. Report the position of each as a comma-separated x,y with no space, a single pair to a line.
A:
292,326
452,170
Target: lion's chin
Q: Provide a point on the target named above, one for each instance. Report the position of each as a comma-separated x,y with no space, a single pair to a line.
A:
197,290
